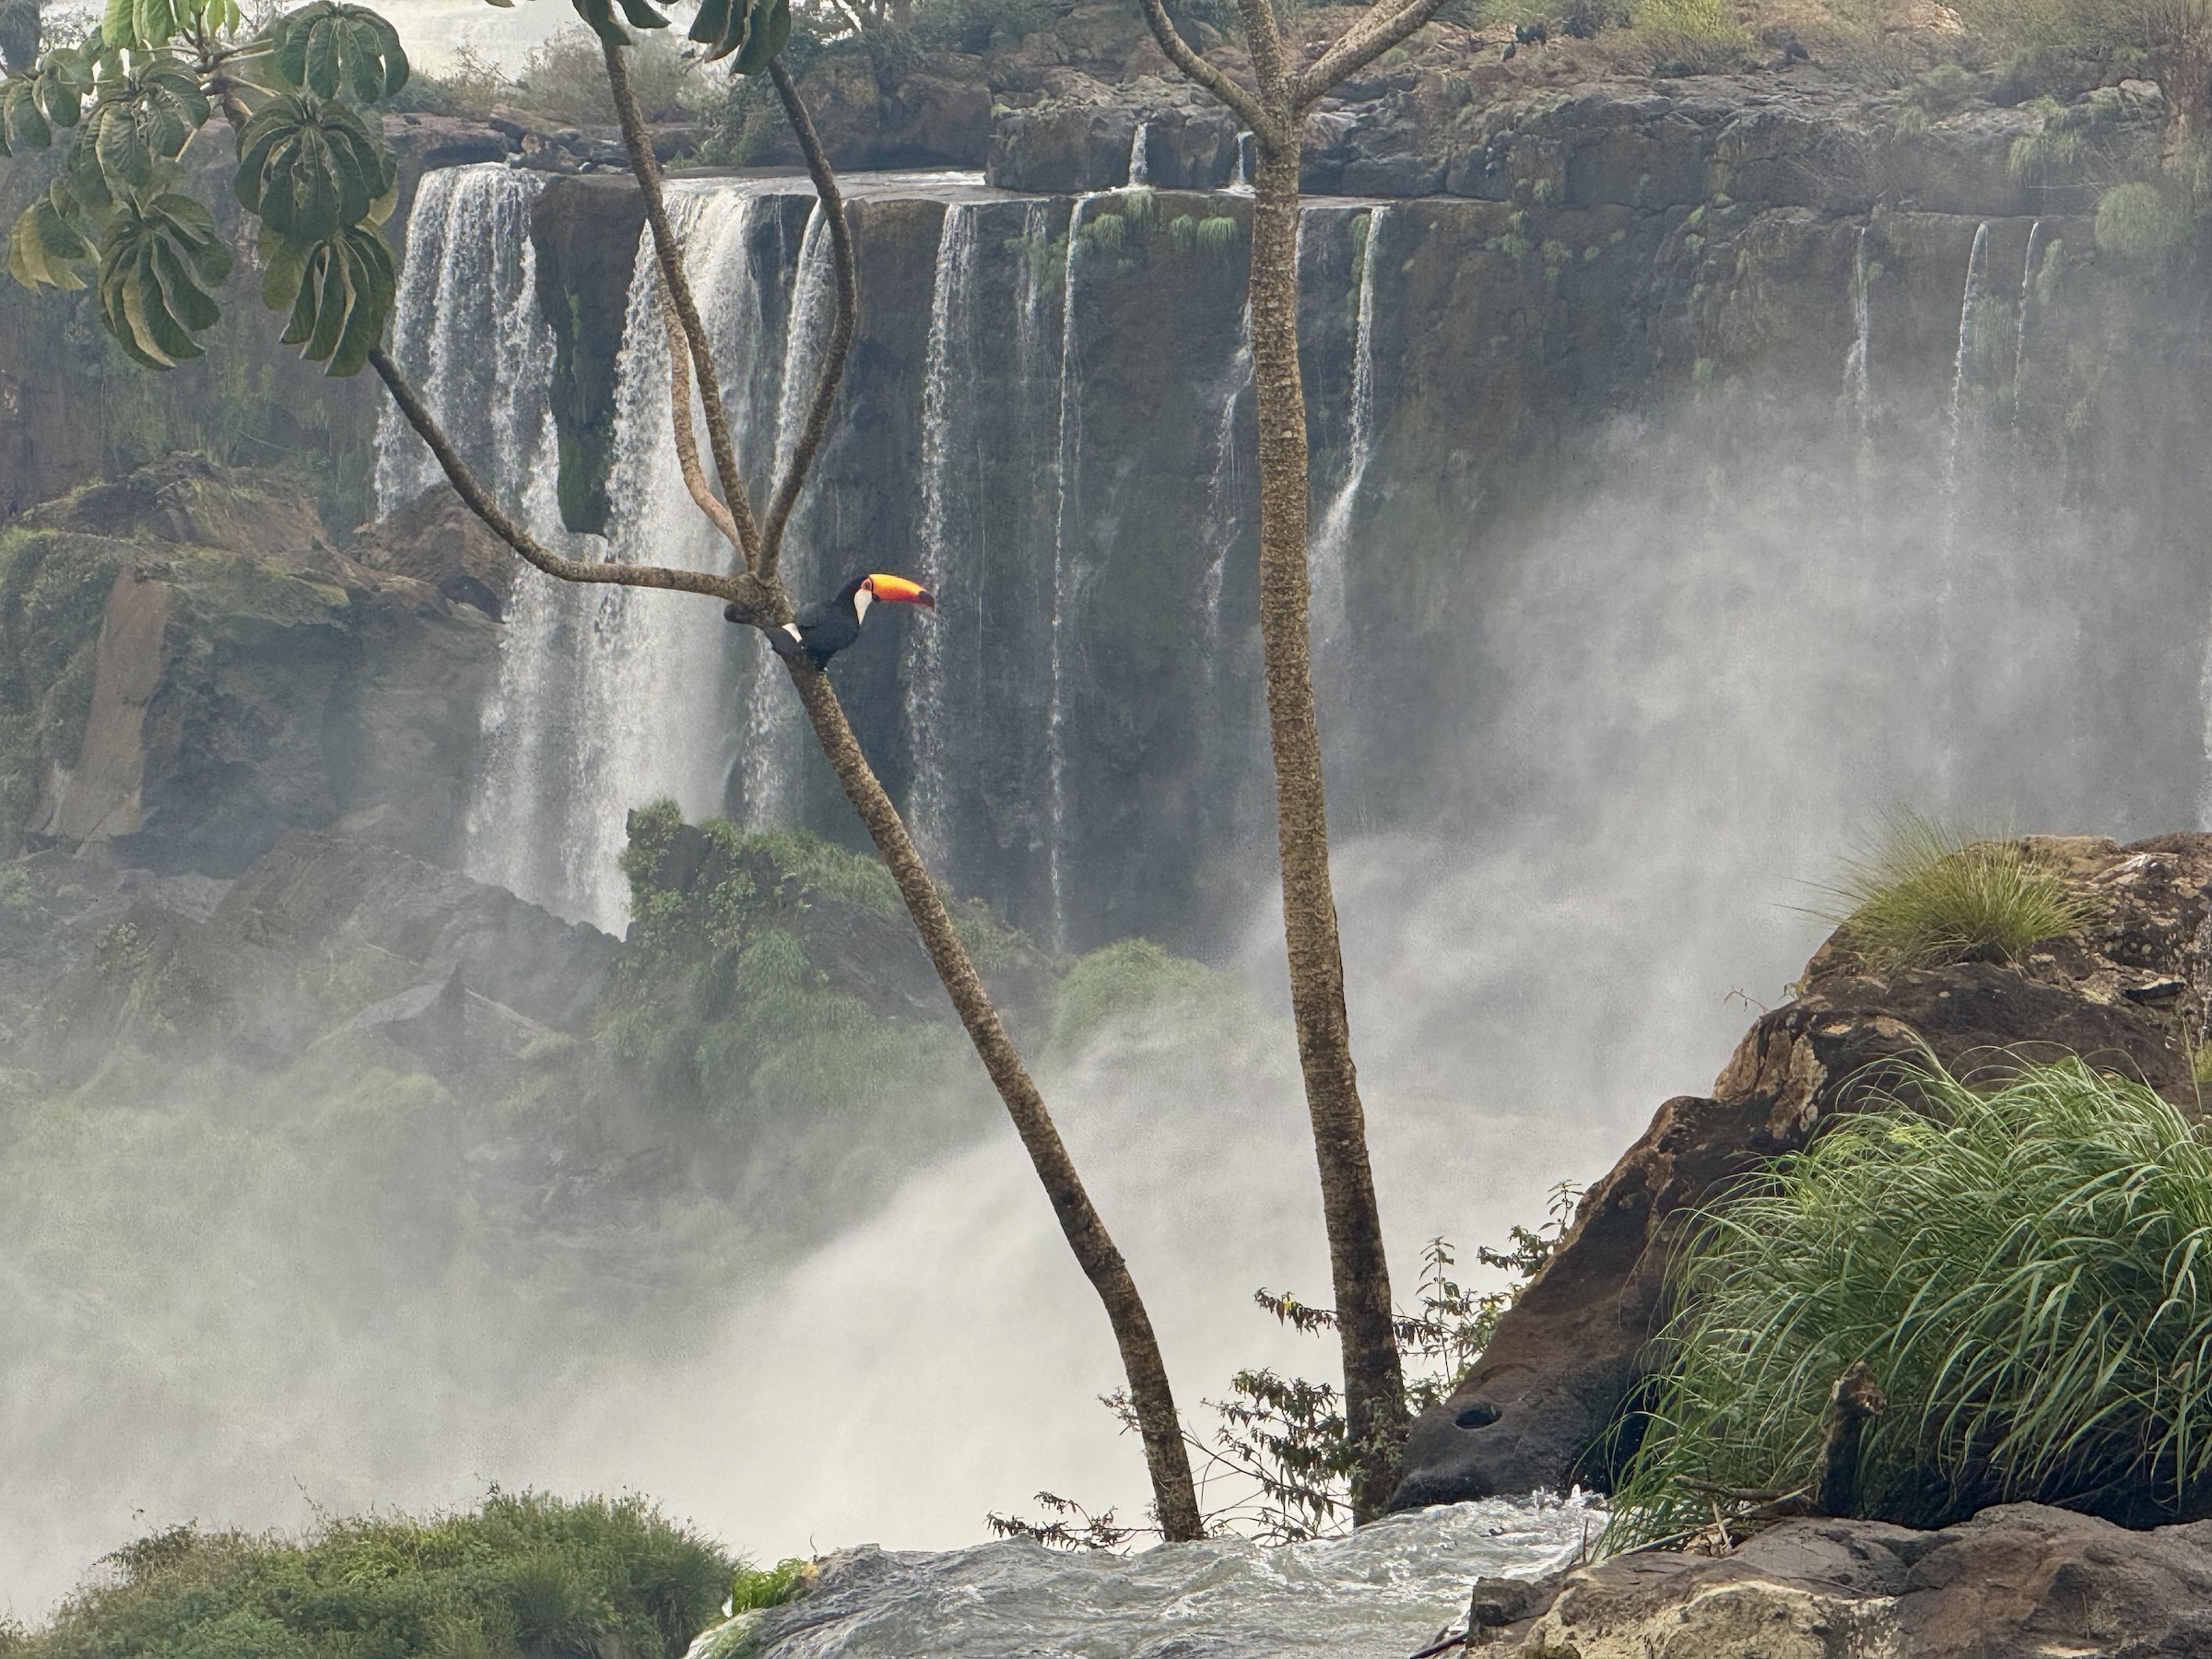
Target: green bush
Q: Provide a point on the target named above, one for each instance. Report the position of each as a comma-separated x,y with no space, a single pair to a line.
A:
1690,37
2139,222
1137,981
2028,1273
1928,896
524,1574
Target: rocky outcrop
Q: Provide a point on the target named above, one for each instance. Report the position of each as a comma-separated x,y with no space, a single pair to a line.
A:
2017,1581
194,670
2131,994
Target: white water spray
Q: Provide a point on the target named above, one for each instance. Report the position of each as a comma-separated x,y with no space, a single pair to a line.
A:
774,734
950,464
1858,386
1140,157
1329,556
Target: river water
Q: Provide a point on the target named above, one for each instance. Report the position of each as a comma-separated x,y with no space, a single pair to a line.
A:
1384,1593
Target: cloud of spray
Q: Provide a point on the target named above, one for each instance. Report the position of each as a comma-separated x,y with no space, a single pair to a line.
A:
1680,699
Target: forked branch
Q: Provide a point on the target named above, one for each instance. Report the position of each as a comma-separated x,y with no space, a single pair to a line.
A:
1382,28
833,370
646,169
687,443
1185,58
741,589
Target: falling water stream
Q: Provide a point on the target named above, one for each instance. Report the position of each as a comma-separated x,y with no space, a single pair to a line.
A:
950,464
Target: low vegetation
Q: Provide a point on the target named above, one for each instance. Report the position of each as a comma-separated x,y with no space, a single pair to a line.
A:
1928,896
2025,1272
1280,1463
523,1575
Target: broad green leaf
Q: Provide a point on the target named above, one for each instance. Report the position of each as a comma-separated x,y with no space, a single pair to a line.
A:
712,23
116,22
642,16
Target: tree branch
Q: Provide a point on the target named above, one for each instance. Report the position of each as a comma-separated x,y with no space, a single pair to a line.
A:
1264,41
841,334
671,256
1358,46
744,592
1245,105
687,444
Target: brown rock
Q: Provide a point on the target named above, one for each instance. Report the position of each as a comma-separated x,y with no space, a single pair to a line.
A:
1533,1409
2015,1581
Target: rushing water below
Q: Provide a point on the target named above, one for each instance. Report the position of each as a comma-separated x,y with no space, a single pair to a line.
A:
1385,1593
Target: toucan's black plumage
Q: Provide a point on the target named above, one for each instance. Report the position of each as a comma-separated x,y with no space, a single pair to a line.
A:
822,629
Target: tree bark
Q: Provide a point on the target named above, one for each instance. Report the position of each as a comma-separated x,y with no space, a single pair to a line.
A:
1374,1390
1275,109
1174,1498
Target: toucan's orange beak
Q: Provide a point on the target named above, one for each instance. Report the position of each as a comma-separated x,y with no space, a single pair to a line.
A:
898,590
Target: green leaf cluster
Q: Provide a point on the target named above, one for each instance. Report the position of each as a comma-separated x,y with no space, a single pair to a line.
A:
748,32
119,215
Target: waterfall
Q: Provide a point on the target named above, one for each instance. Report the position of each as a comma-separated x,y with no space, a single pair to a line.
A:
610,697
2019,333
1331,550
467,329
1858,388
949,489
1239,181
468,332
1977,277
773,730
1224,490
1140,159
1067,583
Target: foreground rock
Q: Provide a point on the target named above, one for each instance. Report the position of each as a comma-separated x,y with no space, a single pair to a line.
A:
2130,995
2020,1582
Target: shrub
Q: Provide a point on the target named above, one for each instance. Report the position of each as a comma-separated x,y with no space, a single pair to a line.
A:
525,1572
2028,1273
2138,221
564,78
1928,896
1690,37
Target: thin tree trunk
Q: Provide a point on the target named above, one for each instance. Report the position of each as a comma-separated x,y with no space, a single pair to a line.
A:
1169,1462
757,596
1374,1393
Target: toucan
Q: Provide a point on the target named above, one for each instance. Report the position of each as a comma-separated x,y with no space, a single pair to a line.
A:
820,630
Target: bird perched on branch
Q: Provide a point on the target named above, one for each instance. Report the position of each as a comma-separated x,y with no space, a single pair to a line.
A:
822,629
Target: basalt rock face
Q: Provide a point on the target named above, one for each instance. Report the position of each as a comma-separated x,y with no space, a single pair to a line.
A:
2130,994
2016,1582
194,669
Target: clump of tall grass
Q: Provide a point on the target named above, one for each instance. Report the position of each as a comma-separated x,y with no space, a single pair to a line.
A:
1927,895
2028,1273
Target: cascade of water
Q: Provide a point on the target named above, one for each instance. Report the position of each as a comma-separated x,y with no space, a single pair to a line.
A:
1067,571
1140,157
1857,390
948,484
2020,334
1330,553
1239,181
466,330
1977,278
617,693
1224,491
773,737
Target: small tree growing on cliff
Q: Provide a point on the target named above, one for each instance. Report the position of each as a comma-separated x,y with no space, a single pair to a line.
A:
313,170
1275,107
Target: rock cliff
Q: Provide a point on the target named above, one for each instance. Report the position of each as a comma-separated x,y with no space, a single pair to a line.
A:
2132,993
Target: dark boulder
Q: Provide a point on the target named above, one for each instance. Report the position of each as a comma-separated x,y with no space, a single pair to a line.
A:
1532,1410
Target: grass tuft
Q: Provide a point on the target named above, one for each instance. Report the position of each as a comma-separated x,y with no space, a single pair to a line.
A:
2028,1273
1928,896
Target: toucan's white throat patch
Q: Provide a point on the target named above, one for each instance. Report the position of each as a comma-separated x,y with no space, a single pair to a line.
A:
862,599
